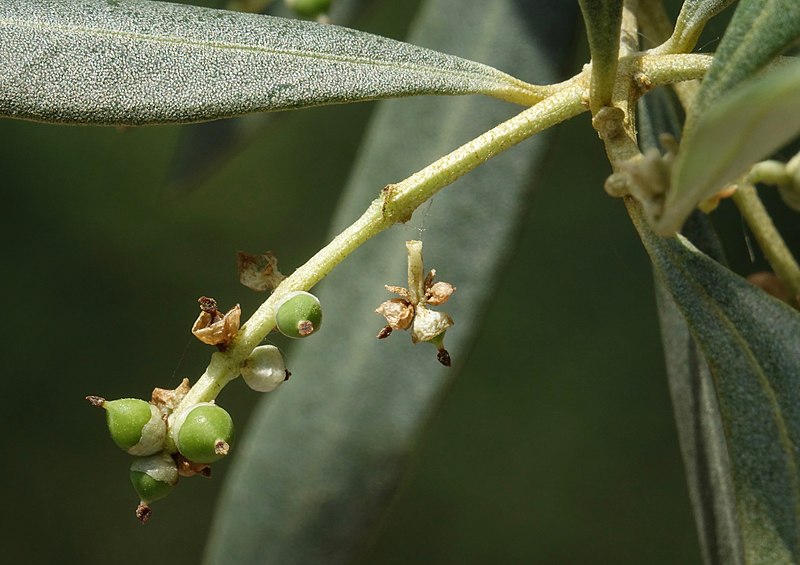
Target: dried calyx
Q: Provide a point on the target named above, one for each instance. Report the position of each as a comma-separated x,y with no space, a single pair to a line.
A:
214,328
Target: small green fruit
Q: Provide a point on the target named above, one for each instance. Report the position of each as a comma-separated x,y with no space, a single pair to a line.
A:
153,477
203,433
136,426
309,8
264,370
298,314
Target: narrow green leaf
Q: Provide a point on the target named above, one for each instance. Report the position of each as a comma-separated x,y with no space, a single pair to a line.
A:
694,401
692,19
749,125
750,342
319,463
759,31
139,62
603,20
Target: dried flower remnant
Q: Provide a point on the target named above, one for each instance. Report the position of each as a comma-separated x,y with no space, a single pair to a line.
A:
212,327
259,272
399,313
412,310
166,399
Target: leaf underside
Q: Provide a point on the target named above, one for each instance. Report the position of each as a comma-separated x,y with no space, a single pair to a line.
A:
134,62
750,124
694,401
749,341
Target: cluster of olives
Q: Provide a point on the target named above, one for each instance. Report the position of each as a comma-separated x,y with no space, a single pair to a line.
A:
168,444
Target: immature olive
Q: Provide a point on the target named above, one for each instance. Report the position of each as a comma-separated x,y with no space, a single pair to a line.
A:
298,314
309,8
264,370
203,433
153,477
136,426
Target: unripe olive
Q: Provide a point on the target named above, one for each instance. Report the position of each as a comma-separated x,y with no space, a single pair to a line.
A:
153,477
298,314
309,8
203,433
135,425
264,370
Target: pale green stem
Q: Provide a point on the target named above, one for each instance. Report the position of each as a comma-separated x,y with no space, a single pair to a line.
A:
770,172
669,69
768,238
396,204
398,201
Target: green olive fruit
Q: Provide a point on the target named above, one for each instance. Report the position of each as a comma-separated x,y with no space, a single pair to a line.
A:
153,477
298,314
136,426
203,433
264,370
309,8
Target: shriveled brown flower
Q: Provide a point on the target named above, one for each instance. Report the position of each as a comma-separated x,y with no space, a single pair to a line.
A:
259,271
212,327
398,312
166,400
411,309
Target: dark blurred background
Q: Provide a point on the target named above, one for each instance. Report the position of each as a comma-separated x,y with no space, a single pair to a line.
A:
556,445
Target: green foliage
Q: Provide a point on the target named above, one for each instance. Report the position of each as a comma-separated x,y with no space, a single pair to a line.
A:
749,341
142,62
319,464
758,32
603,20
692,19
748,125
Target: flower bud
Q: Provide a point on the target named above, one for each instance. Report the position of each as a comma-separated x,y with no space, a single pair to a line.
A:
136,426
298,314
264,370
152,478
203,433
